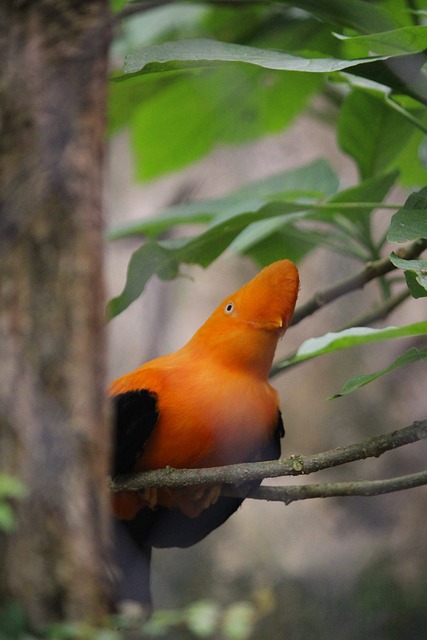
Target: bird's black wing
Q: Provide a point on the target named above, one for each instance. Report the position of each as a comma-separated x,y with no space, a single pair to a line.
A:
271,449
135,416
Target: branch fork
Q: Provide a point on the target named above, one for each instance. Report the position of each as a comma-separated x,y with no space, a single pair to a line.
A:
232,477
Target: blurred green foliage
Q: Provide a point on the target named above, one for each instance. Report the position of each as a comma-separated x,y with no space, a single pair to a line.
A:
197,76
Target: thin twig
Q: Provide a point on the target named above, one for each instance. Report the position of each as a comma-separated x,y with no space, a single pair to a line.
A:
293,493
295,465
369,272
380,312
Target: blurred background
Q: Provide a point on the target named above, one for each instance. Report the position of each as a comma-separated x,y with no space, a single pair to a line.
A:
327,568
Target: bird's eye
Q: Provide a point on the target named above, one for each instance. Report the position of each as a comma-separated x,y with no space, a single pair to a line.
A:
229,308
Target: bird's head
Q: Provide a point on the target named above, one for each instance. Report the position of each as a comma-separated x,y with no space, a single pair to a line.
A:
248,323
267,301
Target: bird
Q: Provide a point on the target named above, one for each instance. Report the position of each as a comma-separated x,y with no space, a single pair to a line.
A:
207,404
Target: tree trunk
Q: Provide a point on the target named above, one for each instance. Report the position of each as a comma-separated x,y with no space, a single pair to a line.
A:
53,430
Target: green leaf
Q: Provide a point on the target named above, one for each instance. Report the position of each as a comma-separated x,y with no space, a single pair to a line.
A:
7,518
391,43
198,212
355,14
315,180
192,54
417,283
13,622
405,76
270,240
163,126
11,487
149,259
125,100
206,247
412,265
371,132
276,105
410,222
372,189
266,247
413,355
239,621
202,618
413,172
165,113
347,339
356,221
415,274
117,5
162,621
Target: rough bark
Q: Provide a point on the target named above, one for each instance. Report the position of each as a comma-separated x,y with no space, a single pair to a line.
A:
53,428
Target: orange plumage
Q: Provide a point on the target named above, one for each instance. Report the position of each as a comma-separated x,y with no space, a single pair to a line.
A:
215,404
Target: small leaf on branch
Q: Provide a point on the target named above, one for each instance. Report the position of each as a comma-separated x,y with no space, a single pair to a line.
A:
413,355
415,274
417,284
148,259
395,42
410,221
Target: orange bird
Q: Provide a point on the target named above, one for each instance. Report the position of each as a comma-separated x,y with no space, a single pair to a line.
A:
208,404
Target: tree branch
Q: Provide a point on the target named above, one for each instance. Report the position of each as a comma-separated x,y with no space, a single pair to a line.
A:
295,465
369,272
